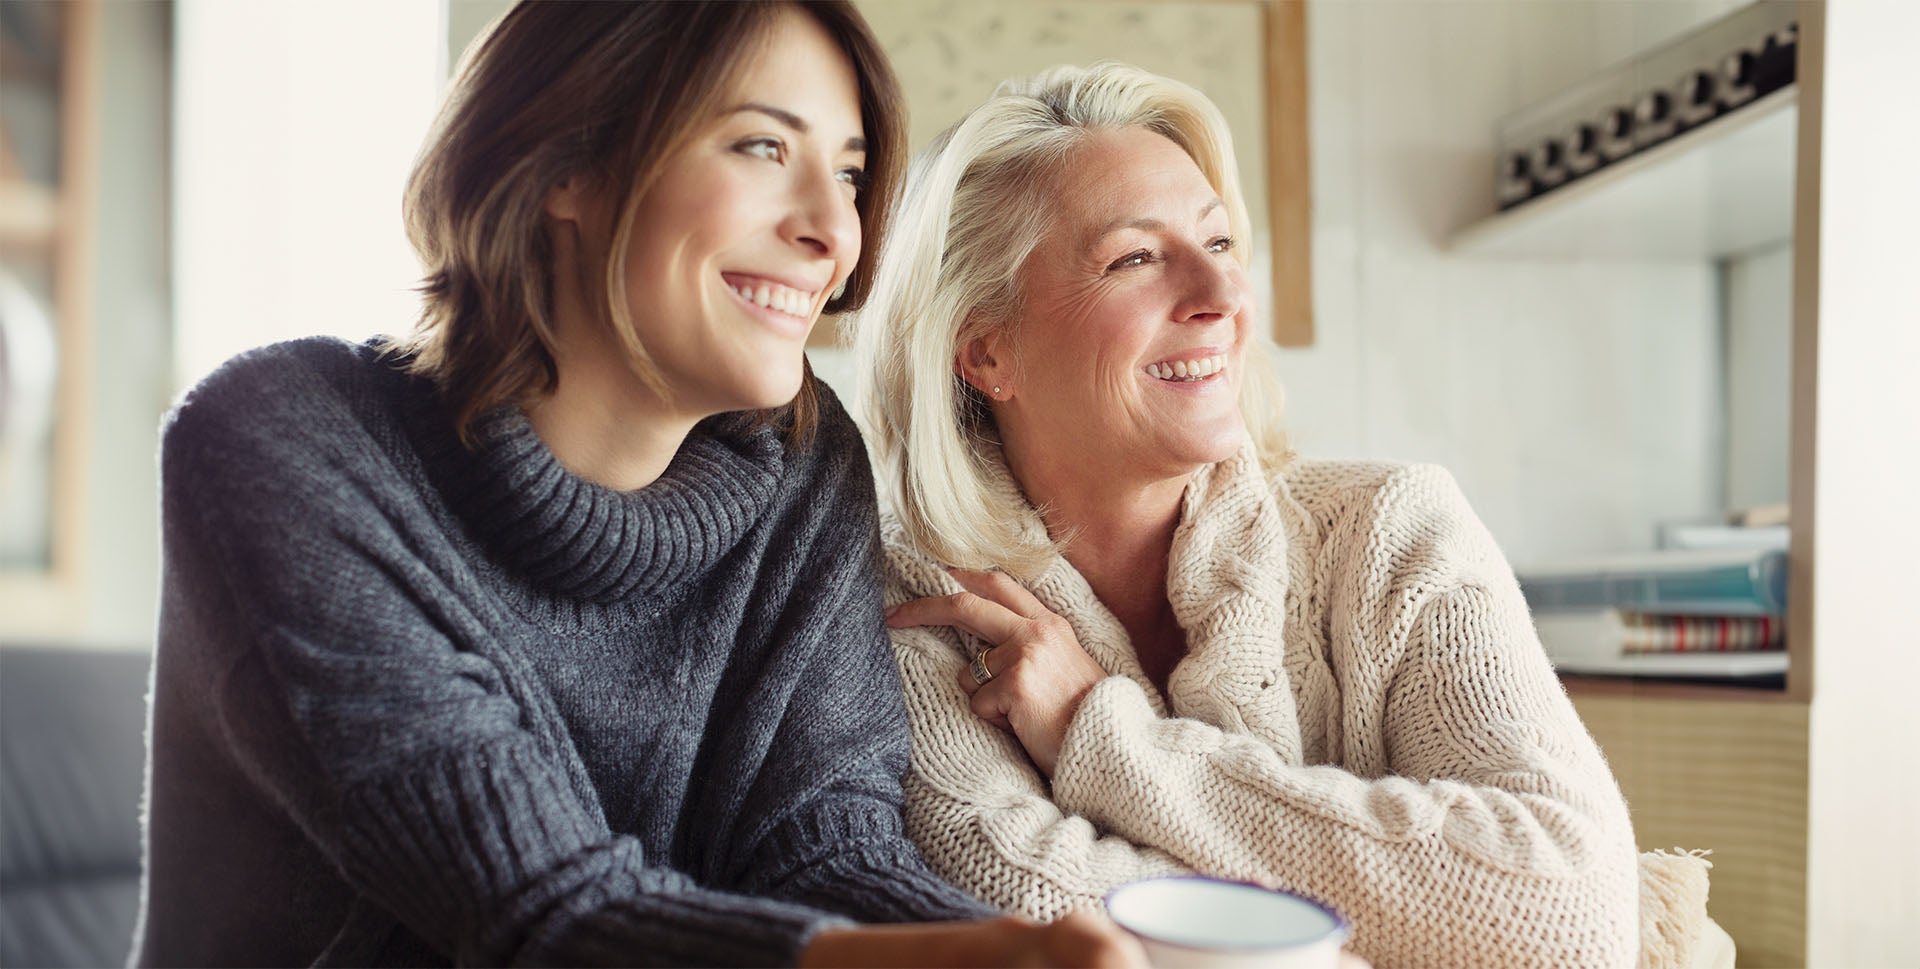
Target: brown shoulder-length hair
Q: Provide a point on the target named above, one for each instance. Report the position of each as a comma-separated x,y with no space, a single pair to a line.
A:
610,91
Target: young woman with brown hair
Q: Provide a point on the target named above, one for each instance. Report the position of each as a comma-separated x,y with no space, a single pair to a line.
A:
552,634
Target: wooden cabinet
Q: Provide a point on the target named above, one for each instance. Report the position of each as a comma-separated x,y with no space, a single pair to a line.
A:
1725,772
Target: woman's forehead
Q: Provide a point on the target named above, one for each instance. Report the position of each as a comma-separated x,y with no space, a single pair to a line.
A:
802,71
1131,178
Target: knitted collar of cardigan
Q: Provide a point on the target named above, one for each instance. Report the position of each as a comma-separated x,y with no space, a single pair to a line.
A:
1228,573
573,539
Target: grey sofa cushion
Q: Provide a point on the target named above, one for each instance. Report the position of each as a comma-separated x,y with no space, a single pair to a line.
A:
72,763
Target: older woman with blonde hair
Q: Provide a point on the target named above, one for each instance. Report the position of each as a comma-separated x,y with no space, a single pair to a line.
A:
1138,635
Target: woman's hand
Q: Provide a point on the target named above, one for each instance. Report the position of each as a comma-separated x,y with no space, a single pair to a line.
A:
1036,672
1082,940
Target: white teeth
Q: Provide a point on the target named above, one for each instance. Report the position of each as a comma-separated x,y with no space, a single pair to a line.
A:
1188,370
774,296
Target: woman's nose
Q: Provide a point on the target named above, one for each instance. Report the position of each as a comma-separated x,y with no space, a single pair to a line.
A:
823,218
1213,289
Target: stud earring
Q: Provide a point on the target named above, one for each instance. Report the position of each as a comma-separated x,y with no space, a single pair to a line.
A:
996,392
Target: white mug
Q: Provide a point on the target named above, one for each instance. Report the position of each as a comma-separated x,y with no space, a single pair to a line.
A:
1196,922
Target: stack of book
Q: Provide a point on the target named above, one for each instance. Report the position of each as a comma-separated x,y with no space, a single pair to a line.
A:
1688,613
1643,632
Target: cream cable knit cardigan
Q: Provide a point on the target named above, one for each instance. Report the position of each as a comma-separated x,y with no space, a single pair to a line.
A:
1365,716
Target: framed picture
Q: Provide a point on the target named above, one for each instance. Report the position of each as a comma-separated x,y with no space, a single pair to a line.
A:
49,53
1248,56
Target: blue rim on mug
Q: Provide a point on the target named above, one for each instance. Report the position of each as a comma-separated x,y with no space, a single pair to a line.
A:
1342,929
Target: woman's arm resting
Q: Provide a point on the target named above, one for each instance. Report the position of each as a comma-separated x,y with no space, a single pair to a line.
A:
1500,827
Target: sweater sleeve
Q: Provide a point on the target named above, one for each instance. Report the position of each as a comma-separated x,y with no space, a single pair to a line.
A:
856,860
416,767
1496,835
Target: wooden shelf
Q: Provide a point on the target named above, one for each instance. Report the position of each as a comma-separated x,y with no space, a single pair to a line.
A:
1718,190
1583,685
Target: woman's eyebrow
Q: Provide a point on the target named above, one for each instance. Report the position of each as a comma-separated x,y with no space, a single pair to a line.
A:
794,121
1146,223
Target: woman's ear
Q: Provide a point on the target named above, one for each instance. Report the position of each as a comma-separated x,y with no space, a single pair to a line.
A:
983,363
569,201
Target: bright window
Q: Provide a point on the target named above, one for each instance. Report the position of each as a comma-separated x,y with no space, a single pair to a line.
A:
297,123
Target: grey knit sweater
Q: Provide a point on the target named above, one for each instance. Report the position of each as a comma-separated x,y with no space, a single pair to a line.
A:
415,704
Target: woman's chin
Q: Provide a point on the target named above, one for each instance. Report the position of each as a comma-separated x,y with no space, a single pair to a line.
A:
1217,441
1180,459
777,391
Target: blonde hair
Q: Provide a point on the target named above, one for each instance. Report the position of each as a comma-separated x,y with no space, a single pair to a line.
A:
975,207
609,91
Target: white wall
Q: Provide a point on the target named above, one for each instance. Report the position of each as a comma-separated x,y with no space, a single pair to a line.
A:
1759,321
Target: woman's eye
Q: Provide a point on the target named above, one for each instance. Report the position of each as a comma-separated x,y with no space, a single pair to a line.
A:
1136,258
1221,244
769,148
854,176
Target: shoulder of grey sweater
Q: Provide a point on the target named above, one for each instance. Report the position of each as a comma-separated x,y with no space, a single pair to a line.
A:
277,449
280,397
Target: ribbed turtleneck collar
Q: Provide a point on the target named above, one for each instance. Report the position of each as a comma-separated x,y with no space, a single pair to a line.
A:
574,539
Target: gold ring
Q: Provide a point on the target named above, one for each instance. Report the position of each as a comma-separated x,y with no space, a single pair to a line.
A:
981,674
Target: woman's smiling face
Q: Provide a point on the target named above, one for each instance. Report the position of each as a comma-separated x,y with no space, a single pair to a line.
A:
751,227
1127,353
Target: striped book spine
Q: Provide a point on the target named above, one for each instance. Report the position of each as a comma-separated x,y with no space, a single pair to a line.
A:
1655,633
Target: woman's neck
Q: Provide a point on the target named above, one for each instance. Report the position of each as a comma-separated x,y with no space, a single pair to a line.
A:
602,422
1121,536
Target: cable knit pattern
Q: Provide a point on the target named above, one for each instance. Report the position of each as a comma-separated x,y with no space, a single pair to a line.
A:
1364,716
415,704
